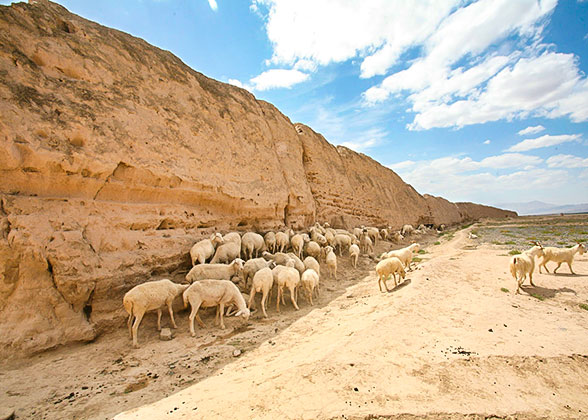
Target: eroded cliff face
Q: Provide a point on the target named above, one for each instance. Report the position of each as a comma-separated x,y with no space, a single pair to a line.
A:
115,157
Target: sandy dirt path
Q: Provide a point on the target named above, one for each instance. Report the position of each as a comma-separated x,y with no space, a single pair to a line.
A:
448,340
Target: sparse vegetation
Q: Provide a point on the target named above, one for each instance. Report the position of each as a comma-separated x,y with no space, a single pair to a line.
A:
422,251
504,289
539,297
437,243
584,306
514,252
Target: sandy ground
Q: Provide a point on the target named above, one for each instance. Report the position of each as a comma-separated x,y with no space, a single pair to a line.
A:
449,343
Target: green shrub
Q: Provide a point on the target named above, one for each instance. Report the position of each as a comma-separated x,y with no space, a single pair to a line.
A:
514,252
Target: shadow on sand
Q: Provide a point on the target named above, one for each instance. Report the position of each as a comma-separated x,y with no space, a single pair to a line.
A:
400,286
545,292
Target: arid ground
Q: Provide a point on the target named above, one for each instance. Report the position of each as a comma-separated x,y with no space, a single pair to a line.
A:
452,342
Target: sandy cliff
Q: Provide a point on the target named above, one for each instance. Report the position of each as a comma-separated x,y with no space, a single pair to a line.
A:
115,157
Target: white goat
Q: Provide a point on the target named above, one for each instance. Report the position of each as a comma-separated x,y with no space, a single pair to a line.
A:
209,293
561,255
147,297
522,265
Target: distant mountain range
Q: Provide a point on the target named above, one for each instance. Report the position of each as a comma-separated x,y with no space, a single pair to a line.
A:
539,207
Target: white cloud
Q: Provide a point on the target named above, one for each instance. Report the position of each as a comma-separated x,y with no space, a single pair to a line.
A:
213,5
543,141
567,161
278,78
236,82
531,130
487,141
337,30
368,140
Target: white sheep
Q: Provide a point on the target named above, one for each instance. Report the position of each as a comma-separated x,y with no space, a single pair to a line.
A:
384,234
270,241
317,236
309,282
283,240
147,297
354,254
226,252
288,277
263,281
311,262
251,267
561,255
397,237
298,264
406,230
403,254
523,265
312,249
330,237
210,293
331,260
342,241
388,266
358,231
215,271
374,234
204,249
233,237
297,241
365,243
252,244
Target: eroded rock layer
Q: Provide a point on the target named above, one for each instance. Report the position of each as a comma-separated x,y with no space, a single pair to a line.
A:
115,157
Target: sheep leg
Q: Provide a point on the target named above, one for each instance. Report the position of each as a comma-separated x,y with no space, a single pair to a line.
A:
200,321
194,314
278,300
263,300
138,318
159,319
395,282
222,309
556,268
310,296
171,314
129,324
570,265
293,297
251,298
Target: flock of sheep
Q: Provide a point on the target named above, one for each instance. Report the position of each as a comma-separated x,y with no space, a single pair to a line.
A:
258,264
523,265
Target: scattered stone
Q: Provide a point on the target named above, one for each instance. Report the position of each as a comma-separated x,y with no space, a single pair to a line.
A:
237,353
490,330
165,334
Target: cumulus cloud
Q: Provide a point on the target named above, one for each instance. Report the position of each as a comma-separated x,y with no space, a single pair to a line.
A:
531,130
543,141
567,161
368,140
278,78
487,141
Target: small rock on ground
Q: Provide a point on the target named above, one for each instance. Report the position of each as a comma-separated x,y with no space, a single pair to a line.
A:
165,334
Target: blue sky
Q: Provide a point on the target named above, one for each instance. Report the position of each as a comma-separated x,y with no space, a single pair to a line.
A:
483,101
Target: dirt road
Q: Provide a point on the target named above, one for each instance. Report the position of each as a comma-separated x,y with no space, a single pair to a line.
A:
448,343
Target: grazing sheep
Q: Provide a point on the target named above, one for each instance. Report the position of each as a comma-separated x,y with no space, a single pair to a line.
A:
204,249
523,264
309,281
251,267
384,234
374,234
403,254
397,237
312,249
317,237
215,271
561,255
283,240
342,241
298,242
358,231
311,262
386,267
406,230
354,254
147,297
298,264
209,293
279,257
226,253
319,228
252,244
365,243
331,260
287,277
262,282
330,237
233,237
270,241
